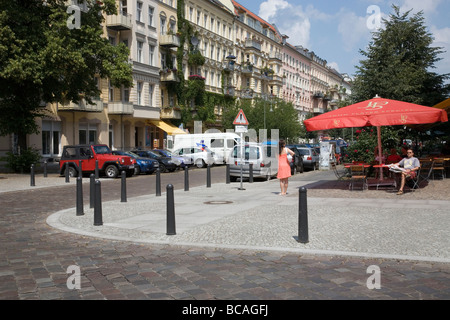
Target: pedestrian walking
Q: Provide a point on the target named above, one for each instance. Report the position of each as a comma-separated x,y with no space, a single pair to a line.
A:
284,168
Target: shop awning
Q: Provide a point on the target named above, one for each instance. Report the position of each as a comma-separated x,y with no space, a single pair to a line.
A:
167,127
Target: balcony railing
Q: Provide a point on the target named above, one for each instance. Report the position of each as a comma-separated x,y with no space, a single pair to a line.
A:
119,107
252,44
229,91
275,56
169,40
118,22
170,76
97,106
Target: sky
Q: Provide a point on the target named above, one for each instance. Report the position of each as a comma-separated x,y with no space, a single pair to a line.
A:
337,30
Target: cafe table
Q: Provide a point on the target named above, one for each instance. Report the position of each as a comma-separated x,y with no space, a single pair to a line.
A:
381,182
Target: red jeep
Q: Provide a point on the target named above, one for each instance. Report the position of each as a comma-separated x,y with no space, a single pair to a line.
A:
108,164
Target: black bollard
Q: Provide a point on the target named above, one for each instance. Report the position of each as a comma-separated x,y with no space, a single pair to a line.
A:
67,173
228,174
92,191
32,184
45,169
186,178
80,209
98,219
250,179
170,211
80,169
123,194
158,182
303,216
208,176
97,171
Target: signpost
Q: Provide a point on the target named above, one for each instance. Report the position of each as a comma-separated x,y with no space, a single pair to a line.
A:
241,126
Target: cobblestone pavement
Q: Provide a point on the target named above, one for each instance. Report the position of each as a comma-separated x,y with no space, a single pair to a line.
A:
36,258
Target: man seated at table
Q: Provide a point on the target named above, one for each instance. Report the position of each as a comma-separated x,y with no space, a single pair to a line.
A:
411,166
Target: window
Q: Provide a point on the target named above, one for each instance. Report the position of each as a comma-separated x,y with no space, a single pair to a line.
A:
123,7
150,94
151,11
125,94
191,13
110,91
212,51
151,55
51,133
139,11
87,133
162,24
140,45
139,93
198,17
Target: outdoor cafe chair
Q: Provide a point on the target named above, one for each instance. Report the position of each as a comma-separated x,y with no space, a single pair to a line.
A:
358,174
438,167
426,169
339,175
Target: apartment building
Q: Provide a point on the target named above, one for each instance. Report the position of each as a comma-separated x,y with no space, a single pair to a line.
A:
245,57
258,50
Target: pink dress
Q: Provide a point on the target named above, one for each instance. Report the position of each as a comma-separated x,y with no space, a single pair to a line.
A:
284,169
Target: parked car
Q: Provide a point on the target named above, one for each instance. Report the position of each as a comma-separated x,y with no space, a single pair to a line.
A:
296,162
199,157
143,165
165,163
310,157
264,158
166,153
108,164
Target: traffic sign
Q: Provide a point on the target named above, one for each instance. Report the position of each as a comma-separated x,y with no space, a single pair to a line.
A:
241,119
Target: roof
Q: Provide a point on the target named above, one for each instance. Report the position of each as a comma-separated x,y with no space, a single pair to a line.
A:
239,7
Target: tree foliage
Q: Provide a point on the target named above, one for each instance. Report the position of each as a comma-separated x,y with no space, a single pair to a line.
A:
43,60
400,62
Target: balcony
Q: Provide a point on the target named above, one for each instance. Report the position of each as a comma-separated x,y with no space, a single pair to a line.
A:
169,76
171,113
252,44
119,22
229,91
119,107
275,56
97,106
169,40
318,95
247,69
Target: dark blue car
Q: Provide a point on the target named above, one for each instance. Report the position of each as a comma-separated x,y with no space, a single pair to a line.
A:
166,153
143,165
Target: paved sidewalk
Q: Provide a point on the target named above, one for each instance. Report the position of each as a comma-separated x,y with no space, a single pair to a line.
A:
258,218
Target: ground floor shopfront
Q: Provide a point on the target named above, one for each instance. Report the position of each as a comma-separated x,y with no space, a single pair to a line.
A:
119,131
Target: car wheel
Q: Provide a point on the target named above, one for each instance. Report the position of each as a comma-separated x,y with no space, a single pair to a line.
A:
200,163
112,171
73,173
162,168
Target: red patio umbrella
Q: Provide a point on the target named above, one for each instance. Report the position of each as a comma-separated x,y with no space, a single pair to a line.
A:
376,112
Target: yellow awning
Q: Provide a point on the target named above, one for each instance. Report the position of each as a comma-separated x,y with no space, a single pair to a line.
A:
443,105
166,127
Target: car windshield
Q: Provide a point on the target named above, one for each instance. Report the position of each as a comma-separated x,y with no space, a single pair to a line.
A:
249,152
304,151
153,154
131,154
102,150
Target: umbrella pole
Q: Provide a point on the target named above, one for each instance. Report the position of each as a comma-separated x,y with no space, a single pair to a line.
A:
380,152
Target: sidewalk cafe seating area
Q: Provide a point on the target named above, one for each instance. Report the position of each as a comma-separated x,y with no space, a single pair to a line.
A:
376,175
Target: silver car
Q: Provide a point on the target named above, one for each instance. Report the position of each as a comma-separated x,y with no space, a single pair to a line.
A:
199,157
311,158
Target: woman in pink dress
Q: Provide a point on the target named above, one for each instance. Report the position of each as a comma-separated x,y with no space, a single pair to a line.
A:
284,168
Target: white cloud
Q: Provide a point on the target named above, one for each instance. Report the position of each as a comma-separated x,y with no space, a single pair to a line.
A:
334,65
269,8
427,6
353,29
289,19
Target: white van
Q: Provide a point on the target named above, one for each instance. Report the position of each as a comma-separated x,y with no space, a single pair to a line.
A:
220,143
264,158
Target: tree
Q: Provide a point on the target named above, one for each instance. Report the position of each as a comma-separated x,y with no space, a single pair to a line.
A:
277,114
44,59
399,63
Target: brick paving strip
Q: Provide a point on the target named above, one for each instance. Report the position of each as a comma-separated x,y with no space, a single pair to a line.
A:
35,258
